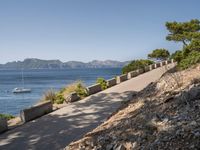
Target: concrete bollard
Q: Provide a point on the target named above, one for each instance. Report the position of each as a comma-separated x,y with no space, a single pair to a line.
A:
3,125
36,111
73,97
111,82
122,78
94,89
155,66
132,74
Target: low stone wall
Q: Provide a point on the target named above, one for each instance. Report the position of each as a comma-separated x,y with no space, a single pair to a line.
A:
140,71
157,65
152,66
163,63
169,61
147,68
122,78
94,89
132,74
73,97
111,82
36,111
3,125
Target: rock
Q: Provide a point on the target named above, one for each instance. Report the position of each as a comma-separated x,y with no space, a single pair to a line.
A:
109,147
168,99
120,147
197,134
193,123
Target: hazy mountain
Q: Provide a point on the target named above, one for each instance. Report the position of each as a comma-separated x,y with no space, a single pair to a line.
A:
33,63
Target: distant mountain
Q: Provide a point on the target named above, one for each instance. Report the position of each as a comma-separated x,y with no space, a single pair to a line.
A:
33,63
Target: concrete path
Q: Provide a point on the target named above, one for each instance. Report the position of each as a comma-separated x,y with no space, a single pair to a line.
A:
57,129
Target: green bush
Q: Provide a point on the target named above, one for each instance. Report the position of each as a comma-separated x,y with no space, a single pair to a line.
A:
59,98
136,64
177,56
77,87
7,116
192,59
81,90
102,82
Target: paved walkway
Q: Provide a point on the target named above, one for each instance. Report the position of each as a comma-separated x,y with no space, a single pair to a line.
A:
57,129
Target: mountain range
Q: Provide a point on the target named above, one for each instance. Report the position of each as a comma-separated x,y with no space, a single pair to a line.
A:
34,63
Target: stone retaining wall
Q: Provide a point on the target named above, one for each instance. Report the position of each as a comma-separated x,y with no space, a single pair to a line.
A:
36,111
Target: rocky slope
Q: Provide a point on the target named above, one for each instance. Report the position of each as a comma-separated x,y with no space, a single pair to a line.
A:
165,115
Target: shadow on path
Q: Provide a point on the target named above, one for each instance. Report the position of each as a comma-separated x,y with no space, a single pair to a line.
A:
56,130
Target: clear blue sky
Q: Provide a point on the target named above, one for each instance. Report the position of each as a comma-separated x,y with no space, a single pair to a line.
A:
84,30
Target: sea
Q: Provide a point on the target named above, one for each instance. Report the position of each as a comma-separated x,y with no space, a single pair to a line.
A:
41,80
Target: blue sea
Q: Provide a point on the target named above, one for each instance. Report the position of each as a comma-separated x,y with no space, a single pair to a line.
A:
40,81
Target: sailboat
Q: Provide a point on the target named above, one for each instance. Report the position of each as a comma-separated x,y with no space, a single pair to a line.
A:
21,89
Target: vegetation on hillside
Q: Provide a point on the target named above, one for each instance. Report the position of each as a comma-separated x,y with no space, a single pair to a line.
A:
61,96
187,33
7,116
136,64
102,82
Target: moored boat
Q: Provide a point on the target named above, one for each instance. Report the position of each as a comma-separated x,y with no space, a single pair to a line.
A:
21,90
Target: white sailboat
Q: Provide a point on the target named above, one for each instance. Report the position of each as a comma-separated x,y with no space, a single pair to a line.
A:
21,89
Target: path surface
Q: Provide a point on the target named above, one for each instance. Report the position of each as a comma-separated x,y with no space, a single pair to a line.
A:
57,129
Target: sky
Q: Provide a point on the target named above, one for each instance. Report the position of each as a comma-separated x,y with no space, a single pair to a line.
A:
85,30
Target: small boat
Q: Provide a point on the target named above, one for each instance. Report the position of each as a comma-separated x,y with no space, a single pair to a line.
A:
21,89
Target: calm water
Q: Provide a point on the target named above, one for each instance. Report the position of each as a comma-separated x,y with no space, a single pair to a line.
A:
40,81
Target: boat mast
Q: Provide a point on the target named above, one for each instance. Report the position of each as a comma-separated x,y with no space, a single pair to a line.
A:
22,78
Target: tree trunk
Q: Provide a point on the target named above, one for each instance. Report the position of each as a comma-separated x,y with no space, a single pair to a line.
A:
184,43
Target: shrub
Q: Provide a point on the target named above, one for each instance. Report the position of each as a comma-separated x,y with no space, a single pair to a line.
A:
191,59
81,90
136,64
177,56
7,116
59,98
77,87
102,82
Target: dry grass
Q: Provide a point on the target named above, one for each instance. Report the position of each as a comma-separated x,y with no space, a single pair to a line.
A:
49,95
